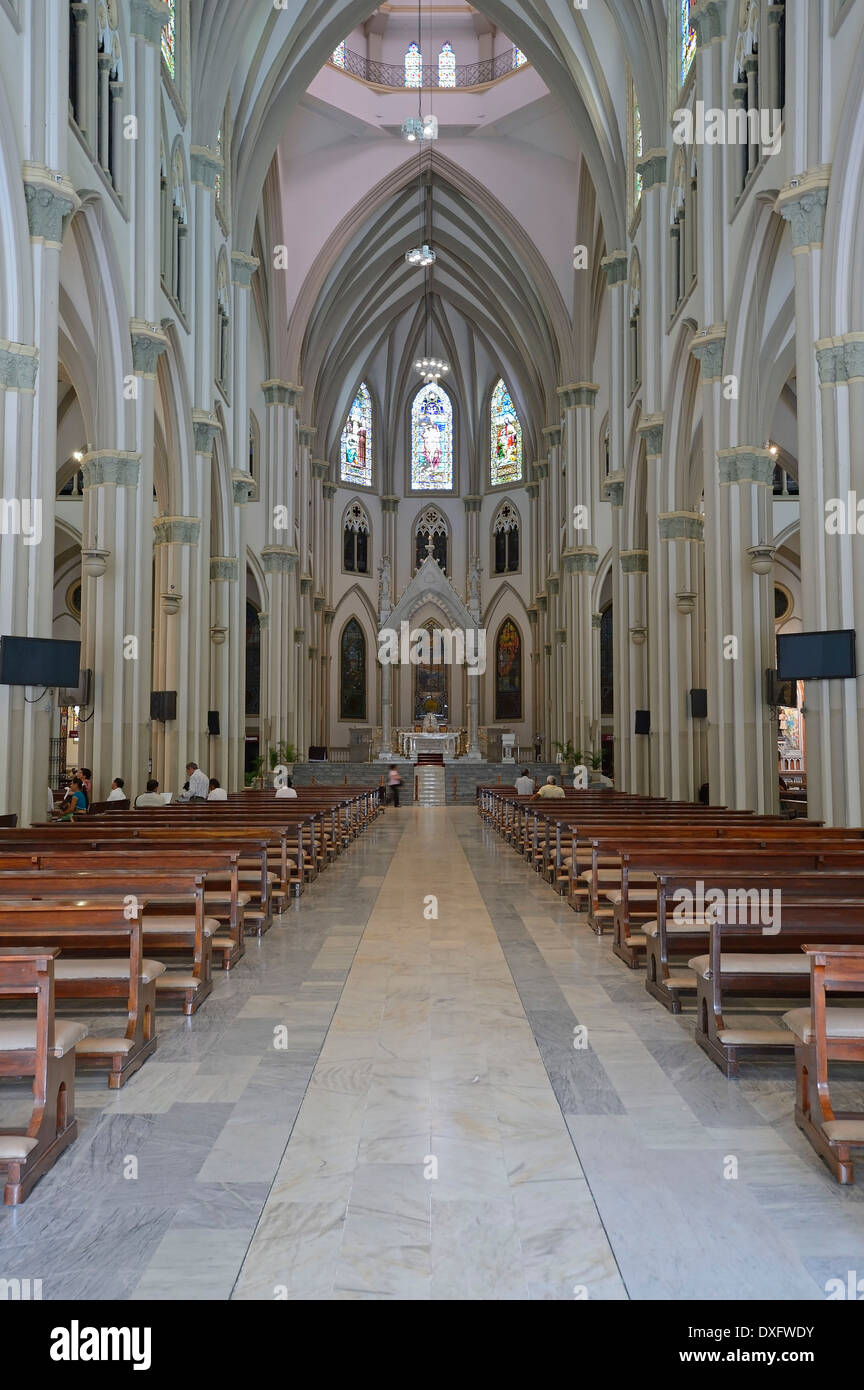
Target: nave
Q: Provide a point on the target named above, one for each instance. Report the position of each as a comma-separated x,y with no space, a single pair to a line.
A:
300,1171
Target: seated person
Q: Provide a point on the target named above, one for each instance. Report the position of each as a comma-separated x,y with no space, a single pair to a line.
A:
151,797
75,800
216,793
550,790
525,784
117,793
284,793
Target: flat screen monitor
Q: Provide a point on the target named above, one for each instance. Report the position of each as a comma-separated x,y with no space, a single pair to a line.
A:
816,656
39,661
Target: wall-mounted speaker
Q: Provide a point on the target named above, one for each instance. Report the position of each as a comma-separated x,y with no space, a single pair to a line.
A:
163,704
643,721
213,721
698,704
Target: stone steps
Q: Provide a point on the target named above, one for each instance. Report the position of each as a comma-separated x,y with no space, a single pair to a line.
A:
430,786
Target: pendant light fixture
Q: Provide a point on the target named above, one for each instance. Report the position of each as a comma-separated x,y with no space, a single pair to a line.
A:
415,129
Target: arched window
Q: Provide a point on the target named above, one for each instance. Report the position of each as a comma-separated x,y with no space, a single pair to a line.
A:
635,326
605,451
223,326
78,64
175,270
253,660
355,452
337,58
505,539
431,524
413,66
607,662
686,39
746,90
352,672
254,453
447,66
636,145
109,91
223,178
169,40
431,440
506,441
431,680
355,540
508,672
519,58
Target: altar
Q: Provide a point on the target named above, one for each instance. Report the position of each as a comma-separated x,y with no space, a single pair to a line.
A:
412,743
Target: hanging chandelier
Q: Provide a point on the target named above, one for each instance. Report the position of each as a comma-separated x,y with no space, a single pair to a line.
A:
431,368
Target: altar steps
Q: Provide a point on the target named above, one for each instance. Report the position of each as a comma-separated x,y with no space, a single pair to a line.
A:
430,759
429,781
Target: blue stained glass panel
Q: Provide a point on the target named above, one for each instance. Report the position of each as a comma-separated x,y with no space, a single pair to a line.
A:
506,453
431,440
356,447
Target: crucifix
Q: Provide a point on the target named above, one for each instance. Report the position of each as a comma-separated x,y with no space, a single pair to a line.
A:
430,546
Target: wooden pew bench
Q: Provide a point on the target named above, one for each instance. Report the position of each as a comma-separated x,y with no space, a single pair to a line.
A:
823,1035
40,1049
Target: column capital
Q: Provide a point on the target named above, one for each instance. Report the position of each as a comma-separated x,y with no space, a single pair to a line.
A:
561,636
147,19
176,530
709,346
329,615
615,266
651,429
148,342
305,583
553,433
634,561
578,393
840,360
581,559
50,199
472,503
206,427
681,526
279,559
553,584
389,503
307,435
205,166
242,486
802,203
542,601
320,468
281,392
596,620
264,621
19,363
745,465
318,601
612,489
329,490
242,269
541,468
533,490
224,568
299,634
652,167
104,466
708,18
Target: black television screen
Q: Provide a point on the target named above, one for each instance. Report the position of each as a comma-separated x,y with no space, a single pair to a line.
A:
816,656
39,661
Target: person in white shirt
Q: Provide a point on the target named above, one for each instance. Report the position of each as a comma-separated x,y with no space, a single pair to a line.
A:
525,784
151,797
199,783
283,793
117,793
216,793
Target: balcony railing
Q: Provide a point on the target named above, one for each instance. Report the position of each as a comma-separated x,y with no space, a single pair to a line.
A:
466,74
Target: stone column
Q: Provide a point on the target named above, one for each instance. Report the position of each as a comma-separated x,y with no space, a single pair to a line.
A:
555,620
615,266
329,554
580,558
224,695
176,541
679,560
280,556
665,716
709,347
634,579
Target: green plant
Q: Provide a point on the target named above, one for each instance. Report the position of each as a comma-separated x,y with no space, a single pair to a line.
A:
283,752
597,761
256,771
568,753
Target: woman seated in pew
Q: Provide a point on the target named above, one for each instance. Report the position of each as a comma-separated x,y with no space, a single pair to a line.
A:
75,801
216,793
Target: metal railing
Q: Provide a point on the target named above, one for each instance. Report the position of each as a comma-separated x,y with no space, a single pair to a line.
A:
393,74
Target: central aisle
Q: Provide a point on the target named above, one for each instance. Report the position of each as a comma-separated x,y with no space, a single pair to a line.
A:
430,1157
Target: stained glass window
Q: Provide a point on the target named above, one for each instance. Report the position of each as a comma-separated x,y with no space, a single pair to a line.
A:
447,66
338,55
431,440
356,448
637,152
508,672
687,36
413,67
169,38
506,456
519,58
221,153
352,672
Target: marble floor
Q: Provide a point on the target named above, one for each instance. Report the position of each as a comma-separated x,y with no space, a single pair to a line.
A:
384,1101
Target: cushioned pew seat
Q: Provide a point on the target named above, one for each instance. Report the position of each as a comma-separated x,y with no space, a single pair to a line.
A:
19,1034
839,1023
688,927
105,970
731,964
14,1148
634,895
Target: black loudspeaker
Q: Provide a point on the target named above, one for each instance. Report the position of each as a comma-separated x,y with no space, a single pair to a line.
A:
643,721
163,704
213,721
698,704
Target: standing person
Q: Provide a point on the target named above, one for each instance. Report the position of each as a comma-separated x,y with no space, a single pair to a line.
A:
215,792
117,793
394,782
524,784
199,783
551,789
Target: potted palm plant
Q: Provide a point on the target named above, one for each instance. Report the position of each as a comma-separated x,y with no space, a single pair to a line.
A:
568,756
283,754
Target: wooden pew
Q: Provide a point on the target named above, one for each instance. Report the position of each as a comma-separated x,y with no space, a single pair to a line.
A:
88,925
823,1035
42,1048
